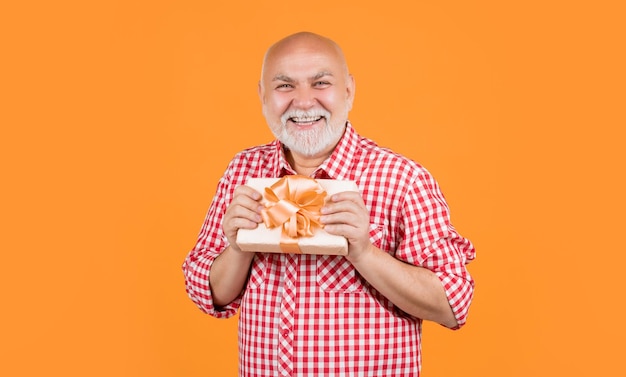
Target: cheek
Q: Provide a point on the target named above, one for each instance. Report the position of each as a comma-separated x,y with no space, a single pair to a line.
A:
278,102
332,101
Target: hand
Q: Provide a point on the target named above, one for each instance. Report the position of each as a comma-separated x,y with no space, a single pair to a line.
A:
244,212
346,215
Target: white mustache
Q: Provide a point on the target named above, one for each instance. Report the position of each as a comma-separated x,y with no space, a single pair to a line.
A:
304,116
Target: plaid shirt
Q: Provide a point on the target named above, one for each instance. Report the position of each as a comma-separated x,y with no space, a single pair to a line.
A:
314,315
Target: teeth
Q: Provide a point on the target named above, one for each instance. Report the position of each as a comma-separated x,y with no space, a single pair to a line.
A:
302,117
305,120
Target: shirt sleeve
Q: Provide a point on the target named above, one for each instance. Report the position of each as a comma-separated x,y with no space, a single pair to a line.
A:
432,242
210,244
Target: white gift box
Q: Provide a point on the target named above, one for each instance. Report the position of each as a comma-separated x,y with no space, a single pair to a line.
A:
268,240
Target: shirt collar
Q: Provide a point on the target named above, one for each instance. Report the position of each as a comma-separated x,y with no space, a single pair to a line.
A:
339,164
282,166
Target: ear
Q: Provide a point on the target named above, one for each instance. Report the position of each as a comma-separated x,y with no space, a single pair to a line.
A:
261,92
350,88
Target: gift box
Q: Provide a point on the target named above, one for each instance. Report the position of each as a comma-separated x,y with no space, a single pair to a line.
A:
291,216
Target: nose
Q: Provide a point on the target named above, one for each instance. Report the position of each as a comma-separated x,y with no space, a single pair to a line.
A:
304,98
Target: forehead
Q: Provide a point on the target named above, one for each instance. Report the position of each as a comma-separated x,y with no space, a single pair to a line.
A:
306,58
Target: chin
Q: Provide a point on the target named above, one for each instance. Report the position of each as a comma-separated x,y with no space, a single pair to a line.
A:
311,142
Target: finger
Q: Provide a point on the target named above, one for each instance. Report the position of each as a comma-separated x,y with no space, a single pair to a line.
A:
239,218
246,197
344,201
344,217
242,223
232,228
353,208
345,230
242,205
248,191
352,196
252,213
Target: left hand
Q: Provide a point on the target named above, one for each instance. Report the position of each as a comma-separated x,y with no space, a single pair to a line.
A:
345,214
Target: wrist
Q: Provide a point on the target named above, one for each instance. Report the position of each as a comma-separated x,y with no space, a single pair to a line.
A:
359,255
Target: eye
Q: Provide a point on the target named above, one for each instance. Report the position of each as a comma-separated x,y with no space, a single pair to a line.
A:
321,84
284,86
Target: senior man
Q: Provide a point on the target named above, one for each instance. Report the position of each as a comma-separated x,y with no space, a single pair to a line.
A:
324,315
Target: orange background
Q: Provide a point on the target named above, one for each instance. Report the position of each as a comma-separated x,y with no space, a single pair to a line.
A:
118,118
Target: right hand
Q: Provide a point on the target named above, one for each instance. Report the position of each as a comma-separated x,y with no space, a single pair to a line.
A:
244,212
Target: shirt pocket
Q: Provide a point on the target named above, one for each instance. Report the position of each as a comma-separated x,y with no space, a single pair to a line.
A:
377,236
258,270
336,274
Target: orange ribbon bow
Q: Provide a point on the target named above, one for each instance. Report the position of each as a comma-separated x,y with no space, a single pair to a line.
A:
293,202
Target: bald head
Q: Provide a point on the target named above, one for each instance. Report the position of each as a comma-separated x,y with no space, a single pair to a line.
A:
302,42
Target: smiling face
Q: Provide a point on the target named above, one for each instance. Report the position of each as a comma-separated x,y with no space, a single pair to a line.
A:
306,93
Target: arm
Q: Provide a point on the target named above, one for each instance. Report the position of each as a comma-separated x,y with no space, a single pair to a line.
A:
229,274
230,270
212,255
346,215
397,281
425,293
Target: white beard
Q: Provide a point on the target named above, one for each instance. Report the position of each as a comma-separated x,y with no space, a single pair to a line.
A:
308,142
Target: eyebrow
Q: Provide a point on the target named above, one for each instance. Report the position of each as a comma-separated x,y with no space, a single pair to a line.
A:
286,78
321,74
282,78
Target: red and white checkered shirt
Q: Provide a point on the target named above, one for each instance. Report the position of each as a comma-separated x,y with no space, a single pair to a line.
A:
314,315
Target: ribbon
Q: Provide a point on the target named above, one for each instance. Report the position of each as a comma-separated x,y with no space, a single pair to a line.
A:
293,202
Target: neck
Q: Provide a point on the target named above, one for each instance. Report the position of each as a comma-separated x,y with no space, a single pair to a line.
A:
305,165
